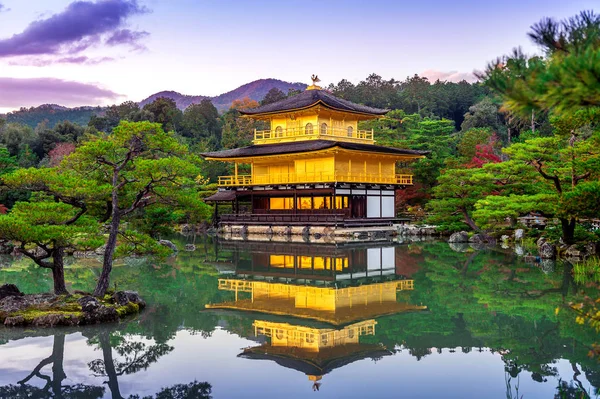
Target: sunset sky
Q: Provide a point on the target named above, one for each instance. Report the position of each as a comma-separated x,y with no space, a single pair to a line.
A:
108,51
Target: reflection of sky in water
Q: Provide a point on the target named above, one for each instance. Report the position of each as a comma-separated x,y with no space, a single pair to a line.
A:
214,359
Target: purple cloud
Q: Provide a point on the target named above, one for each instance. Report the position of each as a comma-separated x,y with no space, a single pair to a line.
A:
18,93
127,36
452,76
3,8
41,62
79,26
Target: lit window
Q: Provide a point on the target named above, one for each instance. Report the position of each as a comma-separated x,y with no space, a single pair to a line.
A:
323,128
341,202
281,203
278,131
350,131
308,130
319,263
304,203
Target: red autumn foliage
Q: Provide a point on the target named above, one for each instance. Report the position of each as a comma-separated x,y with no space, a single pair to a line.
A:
3,209
485,153
60,151
411,195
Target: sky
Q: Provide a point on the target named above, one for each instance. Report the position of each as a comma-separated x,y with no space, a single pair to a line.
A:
99,52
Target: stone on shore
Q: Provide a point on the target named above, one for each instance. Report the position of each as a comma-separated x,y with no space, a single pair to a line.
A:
49,310
461,236
168,244
9,290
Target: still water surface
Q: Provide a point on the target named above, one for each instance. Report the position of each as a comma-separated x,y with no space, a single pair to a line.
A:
417,320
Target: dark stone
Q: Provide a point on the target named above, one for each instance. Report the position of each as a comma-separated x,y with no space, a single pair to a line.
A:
89,304
6,247
306,231
168,244
540,241
14,321
9,290
124,298
461,236
190,247
477,239
573,252
547,250
55,319
591,248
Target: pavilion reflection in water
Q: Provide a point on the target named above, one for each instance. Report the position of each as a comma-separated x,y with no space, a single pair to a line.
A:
345,287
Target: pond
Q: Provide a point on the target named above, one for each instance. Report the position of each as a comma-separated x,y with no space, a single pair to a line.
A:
385,320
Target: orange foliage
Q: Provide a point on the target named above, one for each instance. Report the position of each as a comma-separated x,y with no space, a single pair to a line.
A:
244,103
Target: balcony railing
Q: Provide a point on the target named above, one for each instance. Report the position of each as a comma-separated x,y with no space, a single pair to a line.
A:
316,177
329,133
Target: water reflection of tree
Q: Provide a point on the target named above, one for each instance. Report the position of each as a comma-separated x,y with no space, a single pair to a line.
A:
135,356
53,387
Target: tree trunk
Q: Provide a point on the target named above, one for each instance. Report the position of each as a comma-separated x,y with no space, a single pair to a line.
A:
568,230
58,371
111,243
58,271
469,221
109,365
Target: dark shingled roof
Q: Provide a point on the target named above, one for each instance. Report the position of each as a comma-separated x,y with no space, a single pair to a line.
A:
311,97
306,146
219,196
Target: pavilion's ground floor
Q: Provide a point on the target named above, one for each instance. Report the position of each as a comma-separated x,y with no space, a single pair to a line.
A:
336,204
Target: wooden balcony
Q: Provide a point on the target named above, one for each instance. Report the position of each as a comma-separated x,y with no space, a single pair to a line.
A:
316,177
316,133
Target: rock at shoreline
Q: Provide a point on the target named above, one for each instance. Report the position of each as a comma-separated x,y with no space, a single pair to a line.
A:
573,252
547,250
168,244
461,236
519,234
9,290
48,310
124,298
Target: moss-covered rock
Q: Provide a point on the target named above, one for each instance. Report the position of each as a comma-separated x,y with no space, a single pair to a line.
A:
47,310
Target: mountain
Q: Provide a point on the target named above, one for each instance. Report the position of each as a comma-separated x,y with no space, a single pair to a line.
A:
254,90
54,113
182,100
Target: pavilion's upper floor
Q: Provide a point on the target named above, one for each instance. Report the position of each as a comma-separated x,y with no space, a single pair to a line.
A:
314,114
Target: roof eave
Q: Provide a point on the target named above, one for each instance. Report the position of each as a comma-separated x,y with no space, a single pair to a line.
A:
316,103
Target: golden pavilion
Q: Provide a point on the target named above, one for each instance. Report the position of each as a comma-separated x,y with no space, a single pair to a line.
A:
314,166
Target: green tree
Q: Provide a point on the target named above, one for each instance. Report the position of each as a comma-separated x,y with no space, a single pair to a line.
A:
164,111
273,96
201,125
140,165
455,196
54,222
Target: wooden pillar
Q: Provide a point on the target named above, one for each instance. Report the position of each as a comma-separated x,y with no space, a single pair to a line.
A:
349,167
236,173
